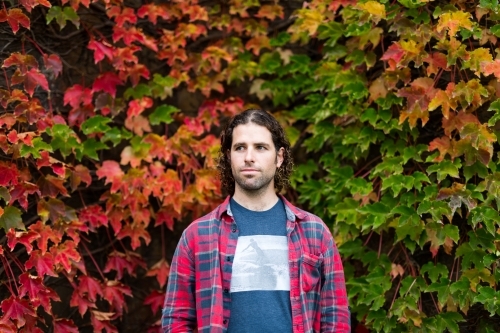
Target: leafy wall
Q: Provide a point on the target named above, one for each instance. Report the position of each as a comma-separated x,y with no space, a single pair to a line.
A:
108,137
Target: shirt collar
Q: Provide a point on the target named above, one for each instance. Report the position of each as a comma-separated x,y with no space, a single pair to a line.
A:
292,213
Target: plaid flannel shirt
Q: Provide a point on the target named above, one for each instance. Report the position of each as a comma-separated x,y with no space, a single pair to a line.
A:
198,296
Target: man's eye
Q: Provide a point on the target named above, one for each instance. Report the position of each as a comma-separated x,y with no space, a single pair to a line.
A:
261,147
239,148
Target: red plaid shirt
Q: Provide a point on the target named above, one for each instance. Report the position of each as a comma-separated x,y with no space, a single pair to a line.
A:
198,294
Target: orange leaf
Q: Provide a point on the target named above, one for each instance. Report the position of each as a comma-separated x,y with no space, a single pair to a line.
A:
15,17
161,270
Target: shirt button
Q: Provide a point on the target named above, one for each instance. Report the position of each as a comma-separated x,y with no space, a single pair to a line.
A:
226,290
234,230
225,321
228,258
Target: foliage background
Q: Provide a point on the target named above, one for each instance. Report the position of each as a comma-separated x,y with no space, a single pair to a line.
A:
109,130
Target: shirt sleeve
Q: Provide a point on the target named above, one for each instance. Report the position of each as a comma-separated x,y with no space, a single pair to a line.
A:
179,310
335,314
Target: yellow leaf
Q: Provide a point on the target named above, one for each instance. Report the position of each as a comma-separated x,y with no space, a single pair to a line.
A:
257,90
285,55
476,57
374,8
377,89
454,21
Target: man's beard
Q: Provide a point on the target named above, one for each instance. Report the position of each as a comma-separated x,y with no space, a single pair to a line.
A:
253,185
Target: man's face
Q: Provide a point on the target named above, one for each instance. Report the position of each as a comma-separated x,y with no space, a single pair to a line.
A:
254,158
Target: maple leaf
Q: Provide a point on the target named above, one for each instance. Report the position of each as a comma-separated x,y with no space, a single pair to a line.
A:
375,9
270,12
20,193
46,233
7,326
393,55
377,89
90,286
53,64
94,216
101,50
51,186
8,174
256,89
164,216
120,263
161,270
436,61
453,21
62,325
138,125
155,299
36,291
30,4
76,95
11,219
33,79
107,82
443,99
83,304
114,292
101,321
43,263
153,11
418,97
122,16
257,43
65,252
23,61
17,309
23,237
32,110
135,72
14,17
79,115
476,58
111,171
135,231
137,106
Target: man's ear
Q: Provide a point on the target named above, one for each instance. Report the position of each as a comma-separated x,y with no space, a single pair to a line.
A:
280,156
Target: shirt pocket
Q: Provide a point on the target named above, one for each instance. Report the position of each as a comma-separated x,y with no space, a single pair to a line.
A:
310,271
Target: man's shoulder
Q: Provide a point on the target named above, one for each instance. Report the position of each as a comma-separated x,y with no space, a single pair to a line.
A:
204,222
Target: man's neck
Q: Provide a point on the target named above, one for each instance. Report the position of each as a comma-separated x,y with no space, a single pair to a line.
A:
256,201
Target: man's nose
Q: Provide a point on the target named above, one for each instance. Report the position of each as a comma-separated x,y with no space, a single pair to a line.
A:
249,155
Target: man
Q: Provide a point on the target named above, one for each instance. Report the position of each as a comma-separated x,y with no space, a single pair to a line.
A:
256,263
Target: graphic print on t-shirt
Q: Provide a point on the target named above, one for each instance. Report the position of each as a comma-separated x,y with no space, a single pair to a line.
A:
260,263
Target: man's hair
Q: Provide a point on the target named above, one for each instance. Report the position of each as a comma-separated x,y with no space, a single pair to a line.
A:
262,118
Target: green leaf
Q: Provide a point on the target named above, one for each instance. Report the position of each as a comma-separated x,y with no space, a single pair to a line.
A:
448,320
163,114
138,92
96,124
434,271
495,30
444,169
90,148
61,15
5,194
38,145
376,208
280,40
11,218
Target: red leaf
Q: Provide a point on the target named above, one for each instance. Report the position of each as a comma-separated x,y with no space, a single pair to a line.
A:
46,233
94,216
153,12
51,186
81,302
163,216
8,174
127,15
78,115
53,63
161,270
17,309
33,79
101,50
32,109
107,82
23,237
64,253
393,55
90,286
37,292
136,106
257,43
491,68
135,72
80,174
20,193
114,292
135,231
77,95
30,4
7,326
20,60
111,171
155,299
43,263
15,17
101,321
119,262
64,326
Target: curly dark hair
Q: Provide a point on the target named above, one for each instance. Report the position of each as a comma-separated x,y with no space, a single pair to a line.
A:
262,118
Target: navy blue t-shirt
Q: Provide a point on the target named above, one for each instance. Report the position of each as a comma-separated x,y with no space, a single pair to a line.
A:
260,279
